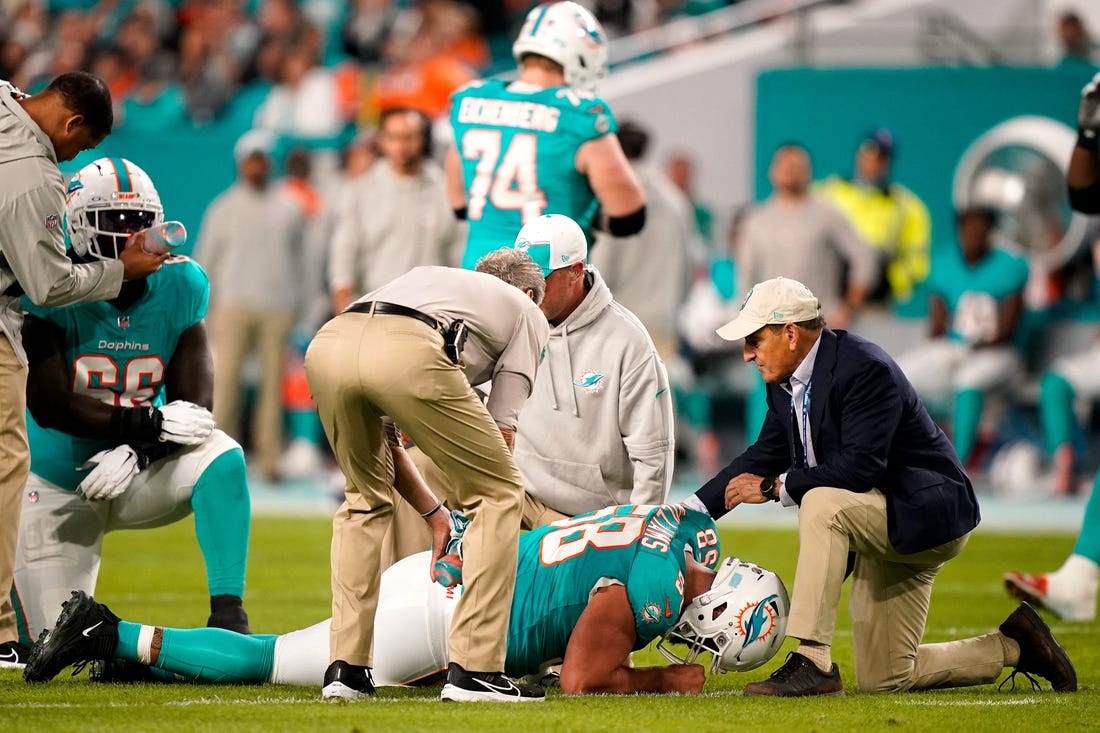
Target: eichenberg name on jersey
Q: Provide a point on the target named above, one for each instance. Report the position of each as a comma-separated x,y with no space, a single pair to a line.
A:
525,115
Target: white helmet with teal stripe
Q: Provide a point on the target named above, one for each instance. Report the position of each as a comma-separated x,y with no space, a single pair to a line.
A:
567,33
108,200
741,620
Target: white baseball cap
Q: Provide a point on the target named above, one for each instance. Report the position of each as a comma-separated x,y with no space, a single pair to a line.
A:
553,241
776,301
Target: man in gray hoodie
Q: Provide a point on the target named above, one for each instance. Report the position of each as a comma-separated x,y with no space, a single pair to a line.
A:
597,429
71,115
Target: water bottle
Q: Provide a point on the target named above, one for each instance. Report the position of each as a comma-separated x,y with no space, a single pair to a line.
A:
164,238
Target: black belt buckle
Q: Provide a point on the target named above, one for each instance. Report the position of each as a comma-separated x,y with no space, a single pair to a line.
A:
454,339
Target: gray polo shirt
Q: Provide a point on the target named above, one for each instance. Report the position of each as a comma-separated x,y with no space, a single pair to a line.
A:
507,331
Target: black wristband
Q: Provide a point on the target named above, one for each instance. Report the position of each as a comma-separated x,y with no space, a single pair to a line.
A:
149,451
460,214
1088,138
141,424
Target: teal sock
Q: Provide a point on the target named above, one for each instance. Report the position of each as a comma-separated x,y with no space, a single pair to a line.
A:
1056,416
1088,541
756,408
968,415
204,655
222,518
305,424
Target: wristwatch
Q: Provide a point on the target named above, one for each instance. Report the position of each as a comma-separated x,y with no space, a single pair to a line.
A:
767,488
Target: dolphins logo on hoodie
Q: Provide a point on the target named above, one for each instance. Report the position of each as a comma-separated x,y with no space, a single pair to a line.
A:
590,381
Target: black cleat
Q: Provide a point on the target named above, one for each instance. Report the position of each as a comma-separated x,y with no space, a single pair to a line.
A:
84,631
345,681
13,655
463,686
226,612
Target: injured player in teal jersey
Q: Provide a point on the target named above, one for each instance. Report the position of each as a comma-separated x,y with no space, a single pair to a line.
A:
590,590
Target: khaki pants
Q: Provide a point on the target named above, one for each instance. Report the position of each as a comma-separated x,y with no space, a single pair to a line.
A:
236,332
409,533
361,367
889,598
15,464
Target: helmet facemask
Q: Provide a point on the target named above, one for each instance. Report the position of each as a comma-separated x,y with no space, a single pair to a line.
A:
109,200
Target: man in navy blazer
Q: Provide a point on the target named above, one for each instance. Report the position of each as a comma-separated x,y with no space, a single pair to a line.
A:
847,440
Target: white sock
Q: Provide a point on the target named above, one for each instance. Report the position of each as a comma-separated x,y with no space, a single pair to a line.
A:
1080,569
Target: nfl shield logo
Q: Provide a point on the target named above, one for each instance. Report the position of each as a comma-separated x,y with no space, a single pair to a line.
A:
52,221
124,321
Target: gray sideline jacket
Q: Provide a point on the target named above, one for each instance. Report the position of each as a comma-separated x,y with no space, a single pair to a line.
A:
32,220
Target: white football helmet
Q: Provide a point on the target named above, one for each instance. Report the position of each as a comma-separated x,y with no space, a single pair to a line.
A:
567,33
741,620
108,200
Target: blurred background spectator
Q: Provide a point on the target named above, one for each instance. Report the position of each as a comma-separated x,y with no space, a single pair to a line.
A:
252,245
887,215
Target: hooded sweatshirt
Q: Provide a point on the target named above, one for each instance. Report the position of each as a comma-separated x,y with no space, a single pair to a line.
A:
597,429
32,226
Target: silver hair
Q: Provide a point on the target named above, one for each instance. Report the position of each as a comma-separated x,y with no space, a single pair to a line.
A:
515,267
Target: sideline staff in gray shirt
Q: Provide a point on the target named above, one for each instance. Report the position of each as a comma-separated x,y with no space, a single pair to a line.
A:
71,115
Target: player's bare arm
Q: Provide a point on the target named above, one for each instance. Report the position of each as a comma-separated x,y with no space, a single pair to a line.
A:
49,397
456,184
595,658
190,373
937,316
602,161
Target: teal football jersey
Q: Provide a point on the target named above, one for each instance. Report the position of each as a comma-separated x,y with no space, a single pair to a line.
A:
561,564
517,150
119,357
973,293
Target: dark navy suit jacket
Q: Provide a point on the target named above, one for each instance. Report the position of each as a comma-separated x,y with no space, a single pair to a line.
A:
869,430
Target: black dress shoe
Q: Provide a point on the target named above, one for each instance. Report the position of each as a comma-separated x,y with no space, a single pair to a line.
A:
798,677
1040,652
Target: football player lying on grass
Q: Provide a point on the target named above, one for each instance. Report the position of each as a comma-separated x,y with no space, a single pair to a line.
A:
589,591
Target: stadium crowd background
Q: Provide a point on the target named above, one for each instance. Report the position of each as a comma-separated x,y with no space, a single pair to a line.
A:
189,79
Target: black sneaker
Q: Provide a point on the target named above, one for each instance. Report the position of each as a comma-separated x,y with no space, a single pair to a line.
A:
345,681
13,655
463,686
798,677
120,671
226,612
84,631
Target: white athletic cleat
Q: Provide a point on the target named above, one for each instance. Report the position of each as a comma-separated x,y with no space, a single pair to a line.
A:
1068,598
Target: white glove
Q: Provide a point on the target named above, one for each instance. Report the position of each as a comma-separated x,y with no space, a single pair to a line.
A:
185,423
1088,114
112,471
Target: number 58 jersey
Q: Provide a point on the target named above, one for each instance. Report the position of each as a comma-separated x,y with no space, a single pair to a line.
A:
117,356
563,564
518,147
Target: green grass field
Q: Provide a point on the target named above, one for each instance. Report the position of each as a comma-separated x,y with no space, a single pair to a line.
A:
157,577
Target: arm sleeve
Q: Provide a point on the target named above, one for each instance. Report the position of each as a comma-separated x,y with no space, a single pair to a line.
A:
869,418
645,422
35,253
515,368
1086,200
